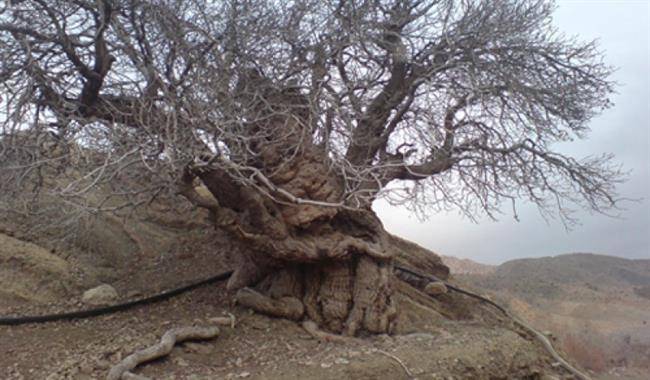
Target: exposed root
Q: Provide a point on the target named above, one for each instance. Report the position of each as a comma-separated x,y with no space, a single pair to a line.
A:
122,371
312,328
285,307
539,336
550,349
399,361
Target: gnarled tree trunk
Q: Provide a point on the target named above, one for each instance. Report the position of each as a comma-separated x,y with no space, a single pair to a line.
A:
309,258
331,265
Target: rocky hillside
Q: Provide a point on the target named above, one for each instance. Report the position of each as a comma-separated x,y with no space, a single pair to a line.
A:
560,276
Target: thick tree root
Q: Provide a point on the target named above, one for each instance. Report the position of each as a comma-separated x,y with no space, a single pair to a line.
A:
342,297
285,307
312,329
122,371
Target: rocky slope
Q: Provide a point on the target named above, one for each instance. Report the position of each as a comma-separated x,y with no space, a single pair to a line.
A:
596,305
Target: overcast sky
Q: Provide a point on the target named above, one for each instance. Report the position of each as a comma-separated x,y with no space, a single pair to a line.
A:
623,30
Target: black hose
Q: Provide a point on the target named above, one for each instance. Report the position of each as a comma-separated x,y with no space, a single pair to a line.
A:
113,308
173,292
225,275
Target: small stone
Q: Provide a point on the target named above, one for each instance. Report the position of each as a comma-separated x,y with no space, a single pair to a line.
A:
181,362
244,374
325,365
86,368
435,288
101,295
102,364
342,361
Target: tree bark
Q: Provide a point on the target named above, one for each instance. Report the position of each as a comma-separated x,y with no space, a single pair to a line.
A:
331,266
328,264
307,258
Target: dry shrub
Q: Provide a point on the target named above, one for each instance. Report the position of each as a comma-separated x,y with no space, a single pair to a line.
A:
587,350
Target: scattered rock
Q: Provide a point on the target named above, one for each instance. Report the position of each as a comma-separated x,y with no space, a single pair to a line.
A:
86,368
102,364
101,295
181,362
342,361
197,348
435,288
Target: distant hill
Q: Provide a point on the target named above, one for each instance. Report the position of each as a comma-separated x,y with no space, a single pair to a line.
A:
466,266
598,306
554,276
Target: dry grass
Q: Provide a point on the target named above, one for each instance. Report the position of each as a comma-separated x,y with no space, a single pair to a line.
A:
587,350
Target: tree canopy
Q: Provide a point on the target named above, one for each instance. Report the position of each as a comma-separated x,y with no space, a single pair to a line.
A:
286,120
434,103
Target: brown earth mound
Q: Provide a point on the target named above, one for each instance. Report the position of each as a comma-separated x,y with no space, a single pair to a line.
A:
450,336
29,273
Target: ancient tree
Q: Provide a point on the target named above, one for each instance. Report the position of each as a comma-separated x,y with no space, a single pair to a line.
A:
286,120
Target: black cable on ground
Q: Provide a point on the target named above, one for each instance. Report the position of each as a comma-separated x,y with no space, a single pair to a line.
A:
225,275
113,308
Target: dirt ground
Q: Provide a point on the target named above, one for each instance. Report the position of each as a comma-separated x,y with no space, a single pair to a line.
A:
258,348
461,340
